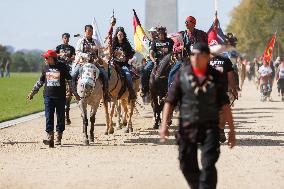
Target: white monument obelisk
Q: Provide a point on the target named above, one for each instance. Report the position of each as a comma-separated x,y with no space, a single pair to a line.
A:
162,13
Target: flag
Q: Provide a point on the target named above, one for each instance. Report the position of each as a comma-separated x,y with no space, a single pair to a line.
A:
215,34
96,33
269,49
141,41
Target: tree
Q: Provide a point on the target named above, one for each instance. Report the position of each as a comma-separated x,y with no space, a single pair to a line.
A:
254,22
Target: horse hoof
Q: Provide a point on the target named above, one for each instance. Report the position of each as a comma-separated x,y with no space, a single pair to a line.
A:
86,142
156,126
126,130
111,131
106,133
68,122
131,129
92,138
124,123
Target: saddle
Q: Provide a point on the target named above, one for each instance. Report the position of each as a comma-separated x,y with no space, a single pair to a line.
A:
124,86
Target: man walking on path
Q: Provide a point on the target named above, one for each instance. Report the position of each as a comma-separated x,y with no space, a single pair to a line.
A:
54,76
199,89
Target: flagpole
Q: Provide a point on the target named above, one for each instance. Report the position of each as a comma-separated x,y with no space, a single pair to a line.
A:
216,8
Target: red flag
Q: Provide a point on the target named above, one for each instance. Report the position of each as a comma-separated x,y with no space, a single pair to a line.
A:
269,49
215,34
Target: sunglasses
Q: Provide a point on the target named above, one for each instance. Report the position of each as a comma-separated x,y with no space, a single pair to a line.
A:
187,22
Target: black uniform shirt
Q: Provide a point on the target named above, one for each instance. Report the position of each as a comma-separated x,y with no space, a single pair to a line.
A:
200,103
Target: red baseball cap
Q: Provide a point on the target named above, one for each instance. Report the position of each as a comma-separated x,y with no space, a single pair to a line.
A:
191,19
49,53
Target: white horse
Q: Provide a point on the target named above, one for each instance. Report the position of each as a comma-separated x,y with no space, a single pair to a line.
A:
89,88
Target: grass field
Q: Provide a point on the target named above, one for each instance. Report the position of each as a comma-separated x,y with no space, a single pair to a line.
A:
13,93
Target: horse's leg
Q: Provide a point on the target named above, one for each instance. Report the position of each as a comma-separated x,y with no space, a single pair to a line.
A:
124,104
93,113
125,112
131,107
118,112
83,107
109,125
113,104
155,110
67,108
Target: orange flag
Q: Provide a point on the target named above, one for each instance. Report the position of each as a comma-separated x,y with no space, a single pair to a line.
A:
269,49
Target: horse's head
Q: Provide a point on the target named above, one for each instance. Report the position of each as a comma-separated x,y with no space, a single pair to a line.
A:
87,81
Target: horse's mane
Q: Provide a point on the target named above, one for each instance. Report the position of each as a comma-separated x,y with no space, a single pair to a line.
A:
164,66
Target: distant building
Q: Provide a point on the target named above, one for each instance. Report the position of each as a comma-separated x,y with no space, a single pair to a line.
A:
162,13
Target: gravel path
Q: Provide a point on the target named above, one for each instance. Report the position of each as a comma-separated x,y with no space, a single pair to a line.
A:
138,160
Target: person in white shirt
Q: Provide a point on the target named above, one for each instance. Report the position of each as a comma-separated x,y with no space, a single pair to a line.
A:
87,50
265,77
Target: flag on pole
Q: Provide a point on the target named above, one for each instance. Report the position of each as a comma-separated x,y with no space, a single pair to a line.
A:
96,33
141,41
269,49
215,34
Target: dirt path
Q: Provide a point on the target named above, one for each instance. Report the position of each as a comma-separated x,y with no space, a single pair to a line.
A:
137,160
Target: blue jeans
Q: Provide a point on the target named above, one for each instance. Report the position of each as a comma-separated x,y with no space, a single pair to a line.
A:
173,72
104,76
52,104
145,77
126,72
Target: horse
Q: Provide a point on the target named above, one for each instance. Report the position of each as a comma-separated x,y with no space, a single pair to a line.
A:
120,94
159,87
89,88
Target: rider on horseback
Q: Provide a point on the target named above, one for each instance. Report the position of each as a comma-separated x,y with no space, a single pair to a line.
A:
145,75
88,50
122,52
160,47
65,52
190,36
66,55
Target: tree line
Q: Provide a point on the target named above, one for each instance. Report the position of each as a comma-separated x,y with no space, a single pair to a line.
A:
22,60
254,22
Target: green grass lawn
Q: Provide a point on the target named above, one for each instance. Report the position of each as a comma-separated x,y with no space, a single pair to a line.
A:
13,93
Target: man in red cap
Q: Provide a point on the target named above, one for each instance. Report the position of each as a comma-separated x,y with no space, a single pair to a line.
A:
190,36
54,75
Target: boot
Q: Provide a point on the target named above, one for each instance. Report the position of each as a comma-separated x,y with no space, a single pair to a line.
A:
58,138
50,140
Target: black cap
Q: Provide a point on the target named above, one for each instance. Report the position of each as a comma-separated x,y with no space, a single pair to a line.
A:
201,47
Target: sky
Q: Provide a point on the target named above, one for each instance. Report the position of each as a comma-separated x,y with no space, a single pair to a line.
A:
38,24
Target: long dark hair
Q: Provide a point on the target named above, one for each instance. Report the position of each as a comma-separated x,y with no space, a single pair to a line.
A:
115,41
125,43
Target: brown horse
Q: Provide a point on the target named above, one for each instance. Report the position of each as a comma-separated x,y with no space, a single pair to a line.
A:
120,97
